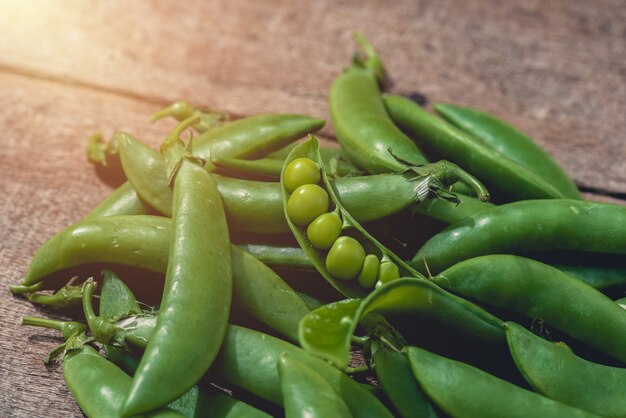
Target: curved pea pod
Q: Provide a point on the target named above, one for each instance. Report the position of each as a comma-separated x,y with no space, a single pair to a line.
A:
537,290
279,256
364,130
599,277
533,225
393,372
99,386
248,360
559,374
461,390
327,331
306,394
252,137
349,288
510,142
143,241
455,145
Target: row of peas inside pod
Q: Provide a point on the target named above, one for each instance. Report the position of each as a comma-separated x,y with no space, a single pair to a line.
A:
336,243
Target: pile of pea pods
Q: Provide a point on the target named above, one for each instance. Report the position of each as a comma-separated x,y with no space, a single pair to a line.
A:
275,260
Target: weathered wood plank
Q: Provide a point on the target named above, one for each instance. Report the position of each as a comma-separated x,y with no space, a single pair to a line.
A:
555,69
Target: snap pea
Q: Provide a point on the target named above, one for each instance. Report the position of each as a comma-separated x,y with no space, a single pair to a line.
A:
598,277
461,390
279,256
198,285
533,225
253,136
484,162
361,124
99,386
327,330
451,212
559,374
394,371
144,240
265,169
510,142
306,394
539,291
338,265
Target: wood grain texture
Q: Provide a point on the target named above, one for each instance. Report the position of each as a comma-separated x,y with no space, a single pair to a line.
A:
68,68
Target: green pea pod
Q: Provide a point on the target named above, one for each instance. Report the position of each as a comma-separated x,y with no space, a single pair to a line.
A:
539,291
461,390
99,386
198,284
252,137
306,394
143,241
394,374
533,225
265,169
349,288
458,147
363,128
451,212
598,277
508,141
122,201
559,374
279,256
257,206
327,331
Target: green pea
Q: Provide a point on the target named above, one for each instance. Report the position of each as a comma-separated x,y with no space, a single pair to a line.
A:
307,203
299,172
324,230
369,272
345,258
388,271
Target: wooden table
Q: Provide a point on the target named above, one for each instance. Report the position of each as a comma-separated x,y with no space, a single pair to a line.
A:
69,68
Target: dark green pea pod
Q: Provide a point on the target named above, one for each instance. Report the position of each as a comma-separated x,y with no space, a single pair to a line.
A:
459,147
327,331
99,386
532,225
539,291
349,288
559,374
143,241
252,137
510,142
393,370
451,212
306,394
463,391
599,277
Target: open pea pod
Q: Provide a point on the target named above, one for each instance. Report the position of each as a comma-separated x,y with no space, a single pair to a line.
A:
559,374
327,331
338,270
